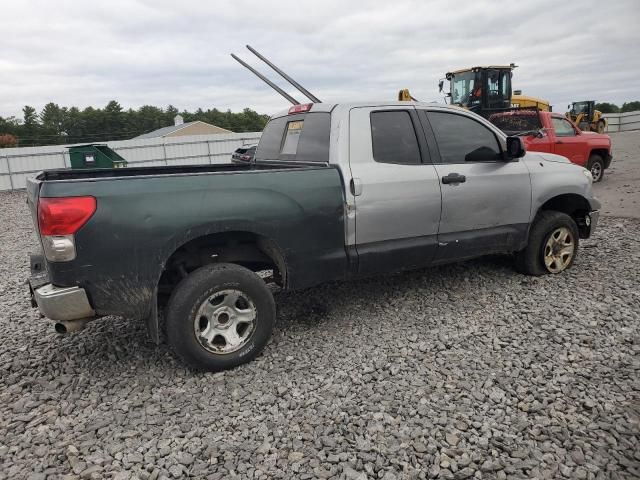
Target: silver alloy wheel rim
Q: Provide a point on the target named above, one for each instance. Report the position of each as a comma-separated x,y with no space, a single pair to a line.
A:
225,321
559,250
596,171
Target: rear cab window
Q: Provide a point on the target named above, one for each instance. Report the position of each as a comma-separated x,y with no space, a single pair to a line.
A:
300,137
516,121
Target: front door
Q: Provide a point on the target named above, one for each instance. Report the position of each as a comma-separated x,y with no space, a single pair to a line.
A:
486,201
568,141
395,190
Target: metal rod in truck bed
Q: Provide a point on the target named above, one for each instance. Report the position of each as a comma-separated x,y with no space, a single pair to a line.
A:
266,80
302,90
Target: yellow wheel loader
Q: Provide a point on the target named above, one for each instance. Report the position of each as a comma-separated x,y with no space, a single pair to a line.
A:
484,90
586,117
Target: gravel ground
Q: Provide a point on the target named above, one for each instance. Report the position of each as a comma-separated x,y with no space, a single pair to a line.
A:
620,188
463,371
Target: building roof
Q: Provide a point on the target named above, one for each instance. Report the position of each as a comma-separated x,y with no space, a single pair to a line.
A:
164,131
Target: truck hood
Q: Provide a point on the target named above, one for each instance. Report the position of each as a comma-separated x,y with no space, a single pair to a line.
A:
552,157
597,138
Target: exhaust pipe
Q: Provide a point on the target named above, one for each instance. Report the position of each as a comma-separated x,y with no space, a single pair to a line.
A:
69,326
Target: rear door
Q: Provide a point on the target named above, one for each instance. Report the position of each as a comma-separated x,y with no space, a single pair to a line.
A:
569,142
486,201
396,189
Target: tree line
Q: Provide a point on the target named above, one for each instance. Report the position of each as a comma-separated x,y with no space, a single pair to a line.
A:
607,107
60,125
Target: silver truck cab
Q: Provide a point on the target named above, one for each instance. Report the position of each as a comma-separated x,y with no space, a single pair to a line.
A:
430,179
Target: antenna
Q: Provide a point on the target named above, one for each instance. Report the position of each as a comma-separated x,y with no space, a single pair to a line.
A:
266,80
303,90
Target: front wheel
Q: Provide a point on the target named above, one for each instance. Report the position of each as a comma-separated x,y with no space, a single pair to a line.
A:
552,247
596,166
219,317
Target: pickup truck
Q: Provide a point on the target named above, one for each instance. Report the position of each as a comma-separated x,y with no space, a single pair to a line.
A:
337,191
554,133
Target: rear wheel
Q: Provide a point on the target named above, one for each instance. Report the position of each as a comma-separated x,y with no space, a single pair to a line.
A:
596,167
600,127
552,247
219,317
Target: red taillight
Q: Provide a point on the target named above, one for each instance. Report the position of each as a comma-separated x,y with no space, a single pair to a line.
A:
300,108
64,216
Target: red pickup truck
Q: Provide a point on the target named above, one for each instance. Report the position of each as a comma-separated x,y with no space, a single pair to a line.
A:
554,133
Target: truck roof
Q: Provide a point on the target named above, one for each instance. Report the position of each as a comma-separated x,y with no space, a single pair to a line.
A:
483,67
328,107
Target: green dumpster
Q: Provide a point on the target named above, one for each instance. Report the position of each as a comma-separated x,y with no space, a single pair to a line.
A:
95,155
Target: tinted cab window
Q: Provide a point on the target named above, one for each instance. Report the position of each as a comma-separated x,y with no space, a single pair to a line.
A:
394,138
302,137
461,139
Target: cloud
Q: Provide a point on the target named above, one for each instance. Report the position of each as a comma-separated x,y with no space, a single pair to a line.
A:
167,52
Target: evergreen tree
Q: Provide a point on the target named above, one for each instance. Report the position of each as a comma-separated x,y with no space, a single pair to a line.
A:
630,106
606,107
61,125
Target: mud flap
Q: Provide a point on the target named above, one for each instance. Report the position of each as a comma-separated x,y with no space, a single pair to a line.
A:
153,327
39,275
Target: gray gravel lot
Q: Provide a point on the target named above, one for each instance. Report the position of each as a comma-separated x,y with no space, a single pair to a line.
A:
620,189
463,371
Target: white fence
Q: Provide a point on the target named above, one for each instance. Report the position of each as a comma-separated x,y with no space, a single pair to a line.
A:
17,164
622,122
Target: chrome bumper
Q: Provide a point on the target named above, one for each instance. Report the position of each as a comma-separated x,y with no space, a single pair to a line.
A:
62,303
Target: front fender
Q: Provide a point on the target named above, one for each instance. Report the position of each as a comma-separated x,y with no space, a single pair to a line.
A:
553,179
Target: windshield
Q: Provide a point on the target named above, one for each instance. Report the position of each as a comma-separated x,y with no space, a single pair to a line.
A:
579,107
462,87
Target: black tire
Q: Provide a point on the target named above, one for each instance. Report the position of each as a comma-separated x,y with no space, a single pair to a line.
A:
600,127
531,260
189,296
596,166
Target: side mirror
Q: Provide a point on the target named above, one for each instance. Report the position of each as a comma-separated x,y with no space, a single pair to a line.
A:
515,147
440,85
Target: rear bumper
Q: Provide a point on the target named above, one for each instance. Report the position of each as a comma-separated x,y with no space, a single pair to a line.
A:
62,303
56,303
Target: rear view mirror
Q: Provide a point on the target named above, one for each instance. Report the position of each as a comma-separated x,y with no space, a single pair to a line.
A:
515,147
440,85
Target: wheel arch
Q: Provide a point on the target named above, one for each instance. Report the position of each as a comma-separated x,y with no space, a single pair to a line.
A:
572,204
242,247
601,152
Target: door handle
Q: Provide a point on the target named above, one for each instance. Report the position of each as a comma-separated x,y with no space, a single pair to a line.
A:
454,178
356,186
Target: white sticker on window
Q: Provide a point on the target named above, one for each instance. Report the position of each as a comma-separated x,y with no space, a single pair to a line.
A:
292,137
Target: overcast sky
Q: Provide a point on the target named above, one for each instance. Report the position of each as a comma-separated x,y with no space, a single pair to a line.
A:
79,53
